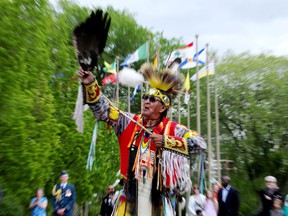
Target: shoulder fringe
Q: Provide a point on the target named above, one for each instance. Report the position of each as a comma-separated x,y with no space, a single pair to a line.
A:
175,172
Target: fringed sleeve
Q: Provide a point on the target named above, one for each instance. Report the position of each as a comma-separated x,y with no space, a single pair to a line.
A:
102,110
175,161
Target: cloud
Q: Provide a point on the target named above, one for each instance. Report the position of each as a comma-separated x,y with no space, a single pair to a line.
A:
239,25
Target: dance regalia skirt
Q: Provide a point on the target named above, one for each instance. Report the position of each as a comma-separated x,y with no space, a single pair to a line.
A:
147,165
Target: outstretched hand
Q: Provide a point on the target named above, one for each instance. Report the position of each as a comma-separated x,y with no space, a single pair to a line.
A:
86,76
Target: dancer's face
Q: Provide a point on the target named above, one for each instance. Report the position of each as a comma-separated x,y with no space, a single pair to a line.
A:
152,107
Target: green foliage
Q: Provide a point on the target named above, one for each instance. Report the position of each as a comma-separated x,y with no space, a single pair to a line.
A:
253,119
39,89
38,93
11,206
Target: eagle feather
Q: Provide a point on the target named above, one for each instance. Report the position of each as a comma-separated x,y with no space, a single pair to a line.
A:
90,38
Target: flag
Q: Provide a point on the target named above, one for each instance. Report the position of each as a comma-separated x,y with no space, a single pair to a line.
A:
155,62
182,52
91,154
191,62
137,88
201,177
140,53
201,57
109,79
110,68
187,88
210,67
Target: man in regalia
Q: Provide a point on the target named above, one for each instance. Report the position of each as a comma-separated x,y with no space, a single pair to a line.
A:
154,151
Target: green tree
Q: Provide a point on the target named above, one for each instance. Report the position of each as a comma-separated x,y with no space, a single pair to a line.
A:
28,131
254,124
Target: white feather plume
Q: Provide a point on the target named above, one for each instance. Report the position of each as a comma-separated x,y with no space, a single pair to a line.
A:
130,77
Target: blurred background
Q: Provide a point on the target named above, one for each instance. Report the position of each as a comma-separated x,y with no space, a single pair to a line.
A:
39,90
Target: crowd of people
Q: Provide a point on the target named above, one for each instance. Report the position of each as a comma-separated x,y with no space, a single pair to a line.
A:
223,200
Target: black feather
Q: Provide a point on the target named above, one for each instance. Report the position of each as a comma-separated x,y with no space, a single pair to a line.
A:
175,64
90,39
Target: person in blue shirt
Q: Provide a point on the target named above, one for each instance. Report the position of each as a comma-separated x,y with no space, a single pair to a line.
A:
63,196
38,204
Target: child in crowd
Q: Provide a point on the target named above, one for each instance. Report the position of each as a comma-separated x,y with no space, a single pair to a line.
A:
277,208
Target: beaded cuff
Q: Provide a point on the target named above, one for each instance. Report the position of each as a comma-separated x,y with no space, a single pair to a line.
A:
176,144
91,92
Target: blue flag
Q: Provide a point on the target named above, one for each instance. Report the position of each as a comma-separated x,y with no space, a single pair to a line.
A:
138,88
191,62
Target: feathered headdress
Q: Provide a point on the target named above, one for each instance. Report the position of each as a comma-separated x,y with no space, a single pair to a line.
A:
89,39
166,83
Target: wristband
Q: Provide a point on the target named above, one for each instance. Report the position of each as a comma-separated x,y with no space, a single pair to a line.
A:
91,92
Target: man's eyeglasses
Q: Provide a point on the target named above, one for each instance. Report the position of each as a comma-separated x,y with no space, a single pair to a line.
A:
151,98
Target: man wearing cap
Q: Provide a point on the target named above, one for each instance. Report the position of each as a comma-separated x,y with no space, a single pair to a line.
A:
154,151
63,196
268,194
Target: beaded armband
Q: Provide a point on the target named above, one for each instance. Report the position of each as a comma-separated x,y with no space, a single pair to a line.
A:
176,144
91,92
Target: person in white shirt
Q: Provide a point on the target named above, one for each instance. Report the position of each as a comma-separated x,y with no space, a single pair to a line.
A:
196,202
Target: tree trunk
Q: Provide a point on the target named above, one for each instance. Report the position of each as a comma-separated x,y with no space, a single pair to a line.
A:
85,209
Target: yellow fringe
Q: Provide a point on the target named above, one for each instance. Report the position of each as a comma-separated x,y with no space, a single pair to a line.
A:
57,193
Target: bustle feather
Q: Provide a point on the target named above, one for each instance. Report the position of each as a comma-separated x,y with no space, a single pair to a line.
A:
90,38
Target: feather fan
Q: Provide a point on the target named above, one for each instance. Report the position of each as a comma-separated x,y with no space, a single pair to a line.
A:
90,38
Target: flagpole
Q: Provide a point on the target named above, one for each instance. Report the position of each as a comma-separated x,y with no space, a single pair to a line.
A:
179,113
158,57
117,79
197,89
128,98
188,108
147,50
217,129
147,60
208,121
179,101
179,120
